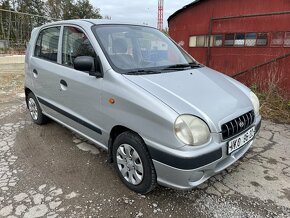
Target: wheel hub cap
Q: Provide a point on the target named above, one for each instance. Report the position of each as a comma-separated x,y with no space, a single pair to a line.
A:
130,164
33,109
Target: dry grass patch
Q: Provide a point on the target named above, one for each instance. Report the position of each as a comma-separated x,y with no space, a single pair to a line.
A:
273,105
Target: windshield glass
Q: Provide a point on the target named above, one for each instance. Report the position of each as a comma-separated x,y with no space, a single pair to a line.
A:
132,48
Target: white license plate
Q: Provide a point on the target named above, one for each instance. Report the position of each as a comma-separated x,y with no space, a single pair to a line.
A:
241,140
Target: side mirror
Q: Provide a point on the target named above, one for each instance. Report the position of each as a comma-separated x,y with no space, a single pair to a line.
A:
89,64
84,63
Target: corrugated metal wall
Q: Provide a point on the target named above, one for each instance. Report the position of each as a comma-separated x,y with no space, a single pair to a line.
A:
201,19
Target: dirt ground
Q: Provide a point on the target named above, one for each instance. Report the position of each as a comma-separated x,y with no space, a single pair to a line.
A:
48,171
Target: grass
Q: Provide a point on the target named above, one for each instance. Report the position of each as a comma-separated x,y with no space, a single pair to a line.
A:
273,105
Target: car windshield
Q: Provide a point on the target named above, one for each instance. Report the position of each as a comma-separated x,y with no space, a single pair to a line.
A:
138,49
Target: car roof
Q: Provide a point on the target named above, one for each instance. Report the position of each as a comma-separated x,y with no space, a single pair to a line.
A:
92,21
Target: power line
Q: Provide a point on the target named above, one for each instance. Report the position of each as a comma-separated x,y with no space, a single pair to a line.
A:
33,15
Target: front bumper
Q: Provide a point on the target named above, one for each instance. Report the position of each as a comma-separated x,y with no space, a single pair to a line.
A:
191,172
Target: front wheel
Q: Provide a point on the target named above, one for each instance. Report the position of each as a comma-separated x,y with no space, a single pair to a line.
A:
133,163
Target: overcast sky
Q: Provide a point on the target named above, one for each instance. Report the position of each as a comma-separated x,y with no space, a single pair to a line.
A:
138,11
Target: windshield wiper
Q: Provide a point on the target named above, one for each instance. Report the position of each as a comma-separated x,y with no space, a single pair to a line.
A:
142,72
183,66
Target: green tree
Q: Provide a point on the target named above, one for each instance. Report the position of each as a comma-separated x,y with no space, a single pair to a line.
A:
4,20
84,9
72,9
54,8
35,7
69,9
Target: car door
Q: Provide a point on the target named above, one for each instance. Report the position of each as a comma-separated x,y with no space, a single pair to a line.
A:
79,93
44,68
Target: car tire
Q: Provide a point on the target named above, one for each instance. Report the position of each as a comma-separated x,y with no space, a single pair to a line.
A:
35,111
133,163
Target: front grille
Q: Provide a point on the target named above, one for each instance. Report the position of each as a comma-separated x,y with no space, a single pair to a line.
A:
237,125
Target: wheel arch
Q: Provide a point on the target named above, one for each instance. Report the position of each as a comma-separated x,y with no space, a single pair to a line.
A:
26,91
115,131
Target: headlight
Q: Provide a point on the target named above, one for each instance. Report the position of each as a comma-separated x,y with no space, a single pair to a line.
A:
191,130
255,102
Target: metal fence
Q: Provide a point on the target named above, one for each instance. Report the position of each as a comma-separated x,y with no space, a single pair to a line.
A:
15,30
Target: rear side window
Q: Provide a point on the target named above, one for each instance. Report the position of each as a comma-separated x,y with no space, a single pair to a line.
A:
75,44
47,44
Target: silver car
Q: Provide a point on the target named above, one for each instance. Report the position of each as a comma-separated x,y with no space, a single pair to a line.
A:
163,117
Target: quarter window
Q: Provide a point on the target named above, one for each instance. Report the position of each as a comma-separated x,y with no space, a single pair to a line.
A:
75,44
251,39
47,44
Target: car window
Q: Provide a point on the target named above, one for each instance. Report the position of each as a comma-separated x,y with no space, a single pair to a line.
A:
75,44
47,44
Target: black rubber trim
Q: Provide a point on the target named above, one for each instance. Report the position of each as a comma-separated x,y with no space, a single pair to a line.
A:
68,115
258,126
185,163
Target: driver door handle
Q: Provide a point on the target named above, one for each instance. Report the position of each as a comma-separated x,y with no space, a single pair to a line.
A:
63,85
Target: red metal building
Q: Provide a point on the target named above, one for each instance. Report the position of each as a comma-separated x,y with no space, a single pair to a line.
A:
249,39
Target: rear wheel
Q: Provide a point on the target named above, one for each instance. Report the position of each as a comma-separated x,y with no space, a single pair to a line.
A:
35,111
133,163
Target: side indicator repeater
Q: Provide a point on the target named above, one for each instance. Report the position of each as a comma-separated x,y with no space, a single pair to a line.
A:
111,101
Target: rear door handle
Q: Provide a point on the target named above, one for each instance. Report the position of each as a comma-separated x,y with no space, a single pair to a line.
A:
63,85
35,73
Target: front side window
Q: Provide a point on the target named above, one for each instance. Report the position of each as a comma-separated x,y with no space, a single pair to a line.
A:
130,47
75,44
47,44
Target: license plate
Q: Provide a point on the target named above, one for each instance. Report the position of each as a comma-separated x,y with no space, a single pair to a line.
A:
241,140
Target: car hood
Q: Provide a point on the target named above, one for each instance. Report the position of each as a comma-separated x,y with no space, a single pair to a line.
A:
202,92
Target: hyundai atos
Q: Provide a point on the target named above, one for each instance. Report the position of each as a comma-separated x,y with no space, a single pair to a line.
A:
163,117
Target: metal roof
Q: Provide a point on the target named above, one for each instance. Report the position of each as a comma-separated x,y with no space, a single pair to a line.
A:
182,9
